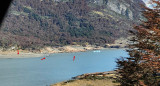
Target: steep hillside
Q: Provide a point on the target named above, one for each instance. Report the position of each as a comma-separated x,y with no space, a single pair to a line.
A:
37,23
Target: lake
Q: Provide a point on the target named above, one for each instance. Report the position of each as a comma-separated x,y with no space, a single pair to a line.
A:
56,67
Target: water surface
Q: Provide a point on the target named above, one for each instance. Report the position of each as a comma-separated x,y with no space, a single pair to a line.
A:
56,67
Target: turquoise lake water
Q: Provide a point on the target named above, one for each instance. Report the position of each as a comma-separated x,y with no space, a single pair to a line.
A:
56,67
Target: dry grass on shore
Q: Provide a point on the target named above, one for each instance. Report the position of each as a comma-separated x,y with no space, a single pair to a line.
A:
86,82
92,79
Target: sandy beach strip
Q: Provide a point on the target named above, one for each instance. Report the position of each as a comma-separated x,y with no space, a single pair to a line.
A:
14,54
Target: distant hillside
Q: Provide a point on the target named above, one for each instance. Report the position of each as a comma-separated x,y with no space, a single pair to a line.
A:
37,23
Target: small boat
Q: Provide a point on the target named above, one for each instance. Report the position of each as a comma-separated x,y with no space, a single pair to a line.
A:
96,51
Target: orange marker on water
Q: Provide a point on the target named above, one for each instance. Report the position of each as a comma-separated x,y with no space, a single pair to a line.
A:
74,58
43,58
18,52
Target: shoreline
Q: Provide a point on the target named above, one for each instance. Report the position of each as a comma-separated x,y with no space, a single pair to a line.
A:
46,51
22,55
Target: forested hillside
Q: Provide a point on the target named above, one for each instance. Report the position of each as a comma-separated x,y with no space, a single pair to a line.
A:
37,23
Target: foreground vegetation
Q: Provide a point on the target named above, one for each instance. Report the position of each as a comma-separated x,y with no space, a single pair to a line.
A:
142,68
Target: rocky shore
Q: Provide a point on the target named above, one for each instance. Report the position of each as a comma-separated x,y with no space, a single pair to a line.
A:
108,74
120,43
12,51
50,50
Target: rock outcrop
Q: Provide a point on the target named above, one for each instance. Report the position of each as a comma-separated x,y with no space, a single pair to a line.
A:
123,7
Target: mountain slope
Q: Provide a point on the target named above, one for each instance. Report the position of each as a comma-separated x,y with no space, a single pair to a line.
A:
38,23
